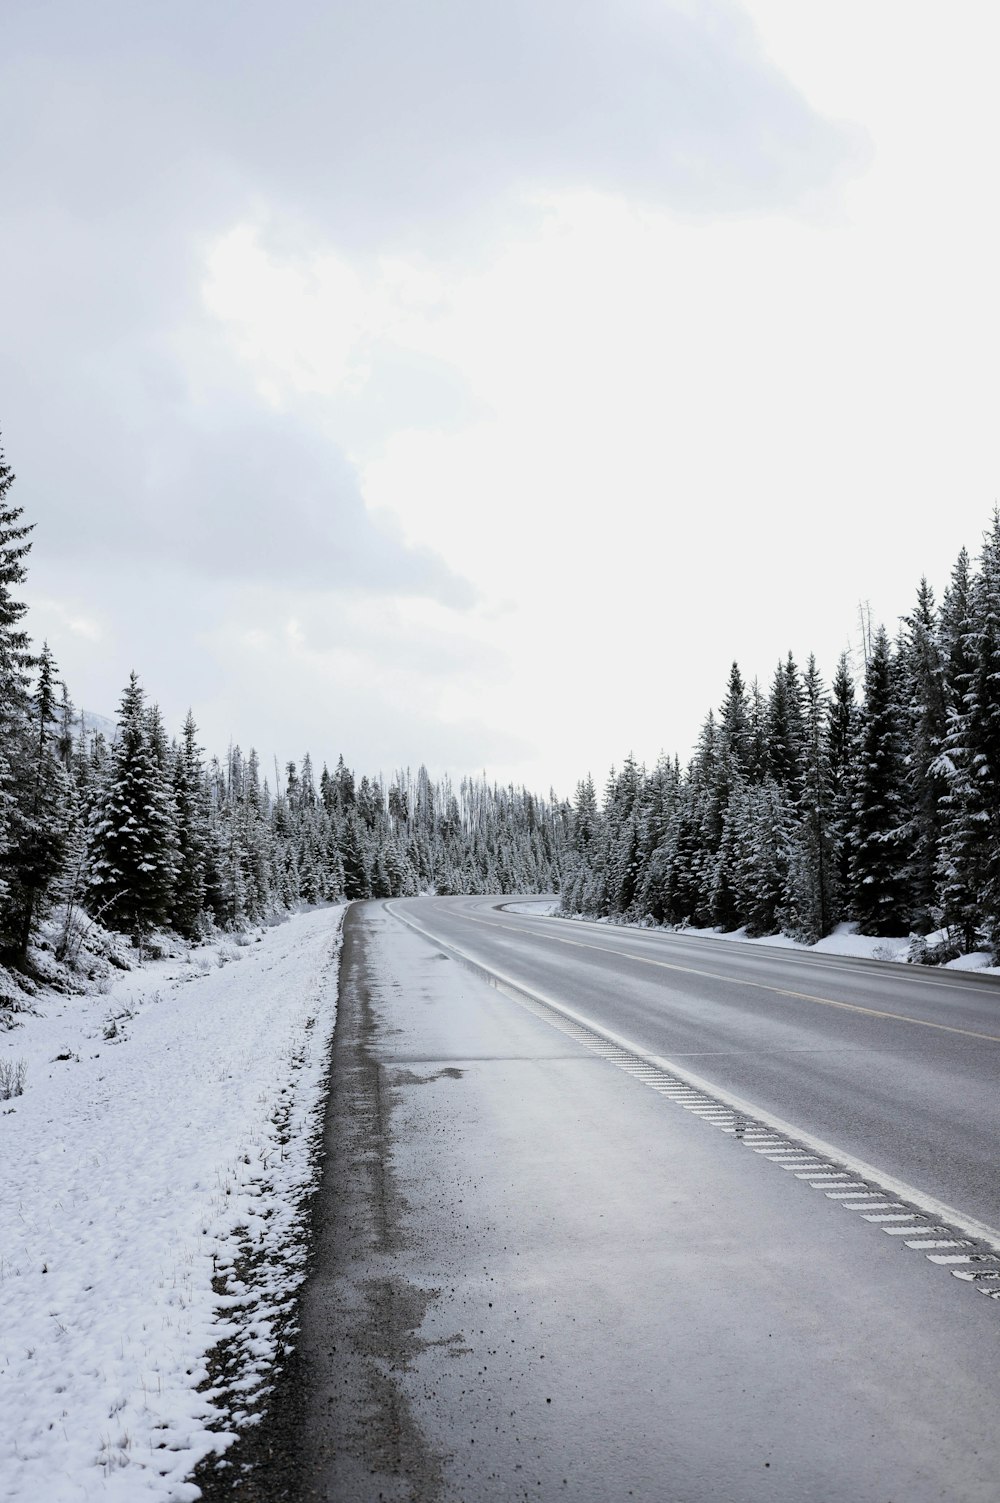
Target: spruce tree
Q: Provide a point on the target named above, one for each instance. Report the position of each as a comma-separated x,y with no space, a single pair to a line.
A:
15,661
735,731
971,843
922,697
811,856
41,816
357,878
878,862
133,842
730,772
193,834
841,739
785,727
959,861
762,838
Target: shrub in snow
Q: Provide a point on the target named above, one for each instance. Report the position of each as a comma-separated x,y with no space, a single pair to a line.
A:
12,1075
933,949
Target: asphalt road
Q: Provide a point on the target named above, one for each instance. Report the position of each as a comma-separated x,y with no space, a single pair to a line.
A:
899,1066
545,1271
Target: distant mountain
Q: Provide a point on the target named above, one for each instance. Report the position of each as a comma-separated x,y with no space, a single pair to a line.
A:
87,724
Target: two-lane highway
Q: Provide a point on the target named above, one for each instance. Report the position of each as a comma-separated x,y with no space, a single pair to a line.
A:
897,1066
546,1266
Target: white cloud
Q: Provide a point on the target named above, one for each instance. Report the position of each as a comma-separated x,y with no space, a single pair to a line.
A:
661,401
301,324
694,440
63,619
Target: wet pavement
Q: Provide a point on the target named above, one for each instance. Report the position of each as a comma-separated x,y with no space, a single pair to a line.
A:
898,1065
534,1277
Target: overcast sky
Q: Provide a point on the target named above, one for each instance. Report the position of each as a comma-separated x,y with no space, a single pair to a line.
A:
469,382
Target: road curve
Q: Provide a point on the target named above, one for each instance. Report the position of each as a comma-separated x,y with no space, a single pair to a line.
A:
897,1066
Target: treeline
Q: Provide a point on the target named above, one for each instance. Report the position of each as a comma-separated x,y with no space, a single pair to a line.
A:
806,806
145,833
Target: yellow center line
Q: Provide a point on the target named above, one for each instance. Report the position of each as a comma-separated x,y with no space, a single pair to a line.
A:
761,986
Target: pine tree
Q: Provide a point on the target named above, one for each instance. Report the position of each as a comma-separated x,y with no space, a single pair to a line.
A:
878,865
357,879
621,816
762,838
15,659
343,785
922,697
730,772
971,845
584,830
959,861
735,730
133,843
785,727
585,816
40,819
757,757
811,878
193,834
841,738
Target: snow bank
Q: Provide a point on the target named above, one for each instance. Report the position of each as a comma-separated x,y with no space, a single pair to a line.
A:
151,1183
843,940
538,907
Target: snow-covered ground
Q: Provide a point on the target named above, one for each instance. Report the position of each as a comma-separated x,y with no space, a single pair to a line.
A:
539,907
152,1177
844,940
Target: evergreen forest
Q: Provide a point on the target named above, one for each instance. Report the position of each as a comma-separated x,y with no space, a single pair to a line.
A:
874,800
144,833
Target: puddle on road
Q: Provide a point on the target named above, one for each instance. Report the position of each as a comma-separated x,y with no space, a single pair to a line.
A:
408,1077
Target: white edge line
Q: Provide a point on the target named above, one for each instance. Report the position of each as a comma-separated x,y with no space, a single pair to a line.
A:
914,972
888,1182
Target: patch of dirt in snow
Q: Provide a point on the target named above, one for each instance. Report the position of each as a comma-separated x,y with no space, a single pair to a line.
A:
155,1169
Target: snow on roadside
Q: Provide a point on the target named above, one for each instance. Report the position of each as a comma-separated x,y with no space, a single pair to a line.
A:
843,940
160,1151
539,907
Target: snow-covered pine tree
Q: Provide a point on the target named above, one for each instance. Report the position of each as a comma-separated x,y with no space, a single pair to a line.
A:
133,841
922,698
584,827
657,835
732,763
15,657
762,838
878,859
811,876
193,834
785,727
585,816
757,758
41,816
959,862
343,787
735,727
621,816
357,878
841,737
973,839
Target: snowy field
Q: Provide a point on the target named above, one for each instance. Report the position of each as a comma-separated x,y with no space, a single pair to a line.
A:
151,1185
